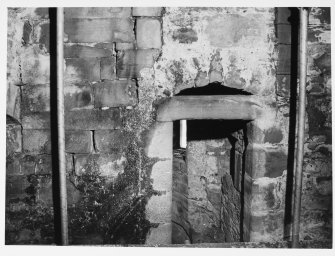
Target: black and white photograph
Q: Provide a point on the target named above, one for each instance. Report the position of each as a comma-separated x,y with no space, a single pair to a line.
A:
168,126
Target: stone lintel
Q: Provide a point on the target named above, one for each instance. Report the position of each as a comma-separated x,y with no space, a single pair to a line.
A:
226,107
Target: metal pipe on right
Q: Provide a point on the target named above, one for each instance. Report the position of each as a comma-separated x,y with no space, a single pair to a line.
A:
60,127
301,124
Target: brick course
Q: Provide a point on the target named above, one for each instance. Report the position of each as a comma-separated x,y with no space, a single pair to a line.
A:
108,165
97,12
83,51
93,119
102,30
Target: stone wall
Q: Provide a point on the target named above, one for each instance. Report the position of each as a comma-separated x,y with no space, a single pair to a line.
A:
317,190
104,122
120,64
273,165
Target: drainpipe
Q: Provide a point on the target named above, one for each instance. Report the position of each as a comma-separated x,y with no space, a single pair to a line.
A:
60,127
301,124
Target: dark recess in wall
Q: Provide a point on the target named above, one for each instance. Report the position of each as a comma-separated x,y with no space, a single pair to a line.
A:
215,88
216,129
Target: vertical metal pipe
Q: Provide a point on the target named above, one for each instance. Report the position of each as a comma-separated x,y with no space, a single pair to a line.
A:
301,124
60,126
183,132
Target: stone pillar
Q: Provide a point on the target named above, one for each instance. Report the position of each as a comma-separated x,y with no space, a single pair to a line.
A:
159,207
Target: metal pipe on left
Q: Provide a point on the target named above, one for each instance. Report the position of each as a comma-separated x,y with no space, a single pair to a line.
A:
301,125
60,128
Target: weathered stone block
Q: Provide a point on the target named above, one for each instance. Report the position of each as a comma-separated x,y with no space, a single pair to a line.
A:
13,166
109,140
82,70
44,192
38,164
215,76
128,71
319,118
159,141
13,139
323,166
284,34
185,35
36,141
282,15
16,186
158,209
233,78
267,227
315,202
148,33
233,29
114,93
35,98
324,185
27,32
263,162
33,164
254,133
42,35
42,12
108,165
97,12
78,141
255,161
161,175
124,46
73,194
320,15
145,58
160,235
273,135
36,121
13,100
107,68
324,63
78,97
202,79
318,84
99,30
147,11
283,85
284,62
83,51
93,119
35,66
107,46
263,195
